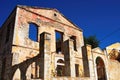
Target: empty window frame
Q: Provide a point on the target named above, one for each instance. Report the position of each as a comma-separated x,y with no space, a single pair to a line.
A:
60,68
33,32
74,42
59,41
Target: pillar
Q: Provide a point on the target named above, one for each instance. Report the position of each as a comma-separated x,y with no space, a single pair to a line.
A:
91,62
85,61
45,56
69,58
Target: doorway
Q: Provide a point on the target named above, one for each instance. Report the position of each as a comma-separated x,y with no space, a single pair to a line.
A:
100,66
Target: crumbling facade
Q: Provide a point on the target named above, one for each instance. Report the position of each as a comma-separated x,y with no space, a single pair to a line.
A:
104,64
41,44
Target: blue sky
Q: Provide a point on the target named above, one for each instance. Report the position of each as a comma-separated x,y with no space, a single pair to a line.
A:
94,17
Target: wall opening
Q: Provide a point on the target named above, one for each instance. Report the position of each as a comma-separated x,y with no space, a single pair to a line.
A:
74,42
33,32
101,73
77,70
59,41
60,68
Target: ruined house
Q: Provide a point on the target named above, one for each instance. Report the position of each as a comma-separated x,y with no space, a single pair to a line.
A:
42,44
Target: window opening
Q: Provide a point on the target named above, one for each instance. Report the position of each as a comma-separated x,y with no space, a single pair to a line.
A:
60,68
74,42
60,61
59,41
77,70
33,32
55,14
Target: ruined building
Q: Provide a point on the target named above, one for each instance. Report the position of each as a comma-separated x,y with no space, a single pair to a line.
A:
41,44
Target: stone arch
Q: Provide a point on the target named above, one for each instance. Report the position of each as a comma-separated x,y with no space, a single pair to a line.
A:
57,59
60,61
32,71
28,72
101,70
17,75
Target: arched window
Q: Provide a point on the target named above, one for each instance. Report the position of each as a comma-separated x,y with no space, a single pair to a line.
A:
101,73
33,32
60,61
60,68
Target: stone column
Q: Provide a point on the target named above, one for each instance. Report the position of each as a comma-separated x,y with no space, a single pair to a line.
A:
45,56
85,62
69,57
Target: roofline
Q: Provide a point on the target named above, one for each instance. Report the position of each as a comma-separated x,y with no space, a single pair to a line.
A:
112,44
35,7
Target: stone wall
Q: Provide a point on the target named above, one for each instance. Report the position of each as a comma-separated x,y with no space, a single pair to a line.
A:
30,59
113,69
71,78
111,66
